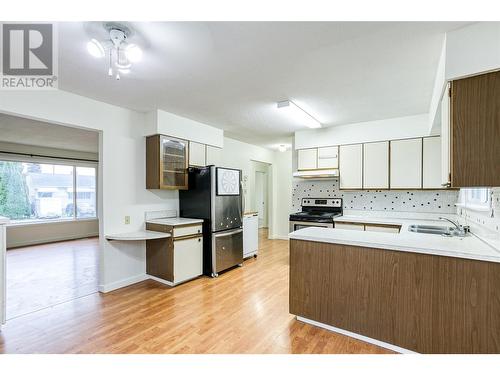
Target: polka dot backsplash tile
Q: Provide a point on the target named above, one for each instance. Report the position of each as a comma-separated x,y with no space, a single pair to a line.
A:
435,201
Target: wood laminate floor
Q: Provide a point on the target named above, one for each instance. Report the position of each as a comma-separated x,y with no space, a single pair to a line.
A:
245,310
42,276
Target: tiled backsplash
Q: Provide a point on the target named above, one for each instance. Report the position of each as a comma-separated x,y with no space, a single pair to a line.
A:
435,201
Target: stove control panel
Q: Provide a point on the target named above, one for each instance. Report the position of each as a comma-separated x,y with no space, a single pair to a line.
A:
321,202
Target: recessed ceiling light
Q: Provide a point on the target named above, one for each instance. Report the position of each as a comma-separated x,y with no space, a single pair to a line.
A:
298,114
282,148
95,49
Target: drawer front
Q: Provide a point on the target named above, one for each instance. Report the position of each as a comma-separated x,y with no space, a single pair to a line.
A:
350,226
228,249
187,230
382,228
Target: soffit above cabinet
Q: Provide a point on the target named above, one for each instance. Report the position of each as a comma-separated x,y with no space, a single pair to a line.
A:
161,122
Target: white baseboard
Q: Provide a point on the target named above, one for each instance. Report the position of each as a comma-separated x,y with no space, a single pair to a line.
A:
166,282
105,288
279,237
357,336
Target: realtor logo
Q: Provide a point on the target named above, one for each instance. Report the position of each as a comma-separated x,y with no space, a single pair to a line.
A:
28,56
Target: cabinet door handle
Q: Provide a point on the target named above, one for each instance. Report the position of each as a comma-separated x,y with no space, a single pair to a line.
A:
448,184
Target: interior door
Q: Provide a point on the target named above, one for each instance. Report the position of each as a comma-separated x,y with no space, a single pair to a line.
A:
260,197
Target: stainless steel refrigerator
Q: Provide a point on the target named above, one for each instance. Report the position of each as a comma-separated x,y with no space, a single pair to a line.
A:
215,195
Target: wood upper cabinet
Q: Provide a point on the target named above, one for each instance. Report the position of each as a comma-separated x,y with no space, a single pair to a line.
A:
351,166
166,162
431,164
197,154
376,165
307,159
475,131
328,157
214,156
406,164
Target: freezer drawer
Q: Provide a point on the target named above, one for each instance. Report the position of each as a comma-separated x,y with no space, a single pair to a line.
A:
227,249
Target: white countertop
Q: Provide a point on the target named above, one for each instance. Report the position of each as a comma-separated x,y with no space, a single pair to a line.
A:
470,247
137,236
173,221
4,220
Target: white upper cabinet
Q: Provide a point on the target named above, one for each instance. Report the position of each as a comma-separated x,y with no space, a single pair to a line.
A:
328,157
406,164
376,165
351,166
432,163
445,138
197,154
214,156
307,159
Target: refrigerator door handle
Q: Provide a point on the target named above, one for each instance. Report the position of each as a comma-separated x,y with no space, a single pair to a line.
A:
217,235
243,202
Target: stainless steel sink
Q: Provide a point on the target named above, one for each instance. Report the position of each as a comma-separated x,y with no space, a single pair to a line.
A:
431,229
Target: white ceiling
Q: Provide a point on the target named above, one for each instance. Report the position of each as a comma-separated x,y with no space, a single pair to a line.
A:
231,74
36,133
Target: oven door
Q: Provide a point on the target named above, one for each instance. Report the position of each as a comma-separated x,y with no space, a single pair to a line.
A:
296,225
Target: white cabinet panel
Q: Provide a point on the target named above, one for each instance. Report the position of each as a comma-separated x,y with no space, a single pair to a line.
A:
432,163
214,156
197,154
380,228
445,137
406,164
188,230
376,165
250,235
350,226
351,166
188,259
328,157
307,159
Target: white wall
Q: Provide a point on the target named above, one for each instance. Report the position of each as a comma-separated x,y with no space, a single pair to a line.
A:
121,172
472,49
370,131
282,200
31,234
437,93
161,122
237,154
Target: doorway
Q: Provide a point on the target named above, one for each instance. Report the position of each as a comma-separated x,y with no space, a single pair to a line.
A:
48,190
261,193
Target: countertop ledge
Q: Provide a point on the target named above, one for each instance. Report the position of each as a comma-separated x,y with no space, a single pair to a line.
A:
174,221
137,236
469,247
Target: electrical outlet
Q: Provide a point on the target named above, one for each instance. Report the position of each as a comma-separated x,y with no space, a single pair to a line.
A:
127,219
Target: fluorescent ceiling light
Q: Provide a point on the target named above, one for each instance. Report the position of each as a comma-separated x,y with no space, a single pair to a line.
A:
95,49
298,114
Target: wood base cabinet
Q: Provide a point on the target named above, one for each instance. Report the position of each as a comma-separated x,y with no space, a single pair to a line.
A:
178,258
424,303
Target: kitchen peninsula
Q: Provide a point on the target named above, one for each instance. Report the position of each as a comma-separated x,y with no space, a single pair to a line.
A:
410,292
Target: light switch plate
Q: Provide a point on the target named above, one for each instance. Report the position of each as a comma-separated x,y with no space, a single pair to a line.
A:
127,219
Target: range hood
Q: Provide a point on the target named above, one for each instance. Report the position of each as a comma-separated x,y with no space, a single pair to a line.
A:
318,173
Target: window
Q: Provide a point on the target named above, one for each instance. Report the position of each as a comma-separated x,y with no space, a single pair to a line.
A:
478,199
39,191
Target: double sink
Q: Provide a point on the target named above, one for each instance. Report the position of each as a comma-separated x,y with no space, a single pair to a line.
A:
458,231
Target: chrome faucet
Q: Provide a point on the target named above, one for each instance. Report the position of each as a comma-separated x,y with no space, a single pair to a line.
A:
459,230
